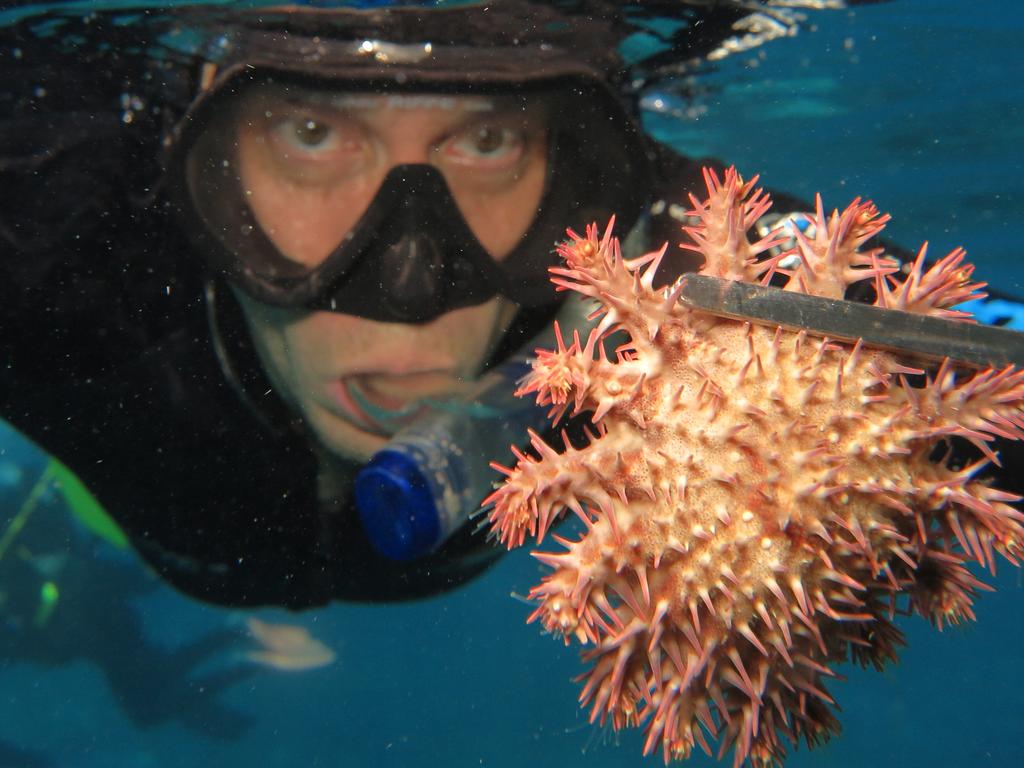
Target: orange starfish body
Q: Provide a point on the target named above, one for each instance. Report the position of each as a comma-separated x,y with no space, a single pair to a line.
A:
757,504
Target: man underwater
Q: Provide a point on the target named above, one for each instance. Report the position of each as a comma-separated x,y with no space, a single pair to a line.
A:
279,236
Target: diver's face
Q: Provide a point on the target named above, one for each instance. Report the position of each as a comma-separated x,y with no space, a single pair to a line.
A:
310,168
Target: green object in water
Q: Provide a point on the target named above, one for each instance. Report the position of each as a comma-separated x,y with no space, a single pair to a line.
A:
84,505
21,517
48,597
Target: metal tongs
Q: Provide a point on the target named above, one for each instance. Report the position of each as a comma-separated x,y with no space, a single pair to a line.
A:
914,335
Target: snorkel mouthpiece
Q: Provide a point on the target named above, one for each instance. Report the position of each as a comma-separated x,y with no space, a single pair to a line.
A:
418,490
422,487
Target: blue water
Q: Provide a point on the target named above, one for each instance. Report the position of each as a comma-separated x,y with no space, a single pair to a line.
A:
915,104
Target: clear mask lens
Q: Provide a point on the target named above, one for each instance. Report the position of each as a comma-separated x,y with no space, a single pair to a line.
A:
283,173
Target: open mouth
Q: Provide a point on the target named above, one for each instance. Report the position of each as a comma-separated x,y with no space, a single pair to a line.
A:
385,414
379,414
391,414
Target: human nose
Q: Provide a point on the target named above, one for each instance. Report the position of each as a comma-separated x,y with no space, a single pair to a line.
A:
410,153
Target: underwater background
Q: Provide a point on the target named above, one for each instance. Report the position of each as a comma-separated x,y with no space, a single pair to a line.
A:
916,104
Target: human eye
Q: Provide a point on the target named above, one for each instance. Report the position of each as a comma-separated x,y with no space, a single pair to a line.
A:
486,146
315,144
306,134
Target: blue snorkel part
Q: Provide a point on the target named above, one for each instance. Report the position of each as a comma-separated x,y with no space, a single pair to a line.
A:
418,490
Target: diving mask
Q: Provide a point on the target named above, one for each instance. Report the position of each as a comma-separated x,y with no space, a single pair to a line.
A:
395,205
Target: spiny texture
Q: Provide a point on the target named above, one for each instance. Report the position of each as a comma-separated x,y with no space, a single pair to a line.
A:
757,504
